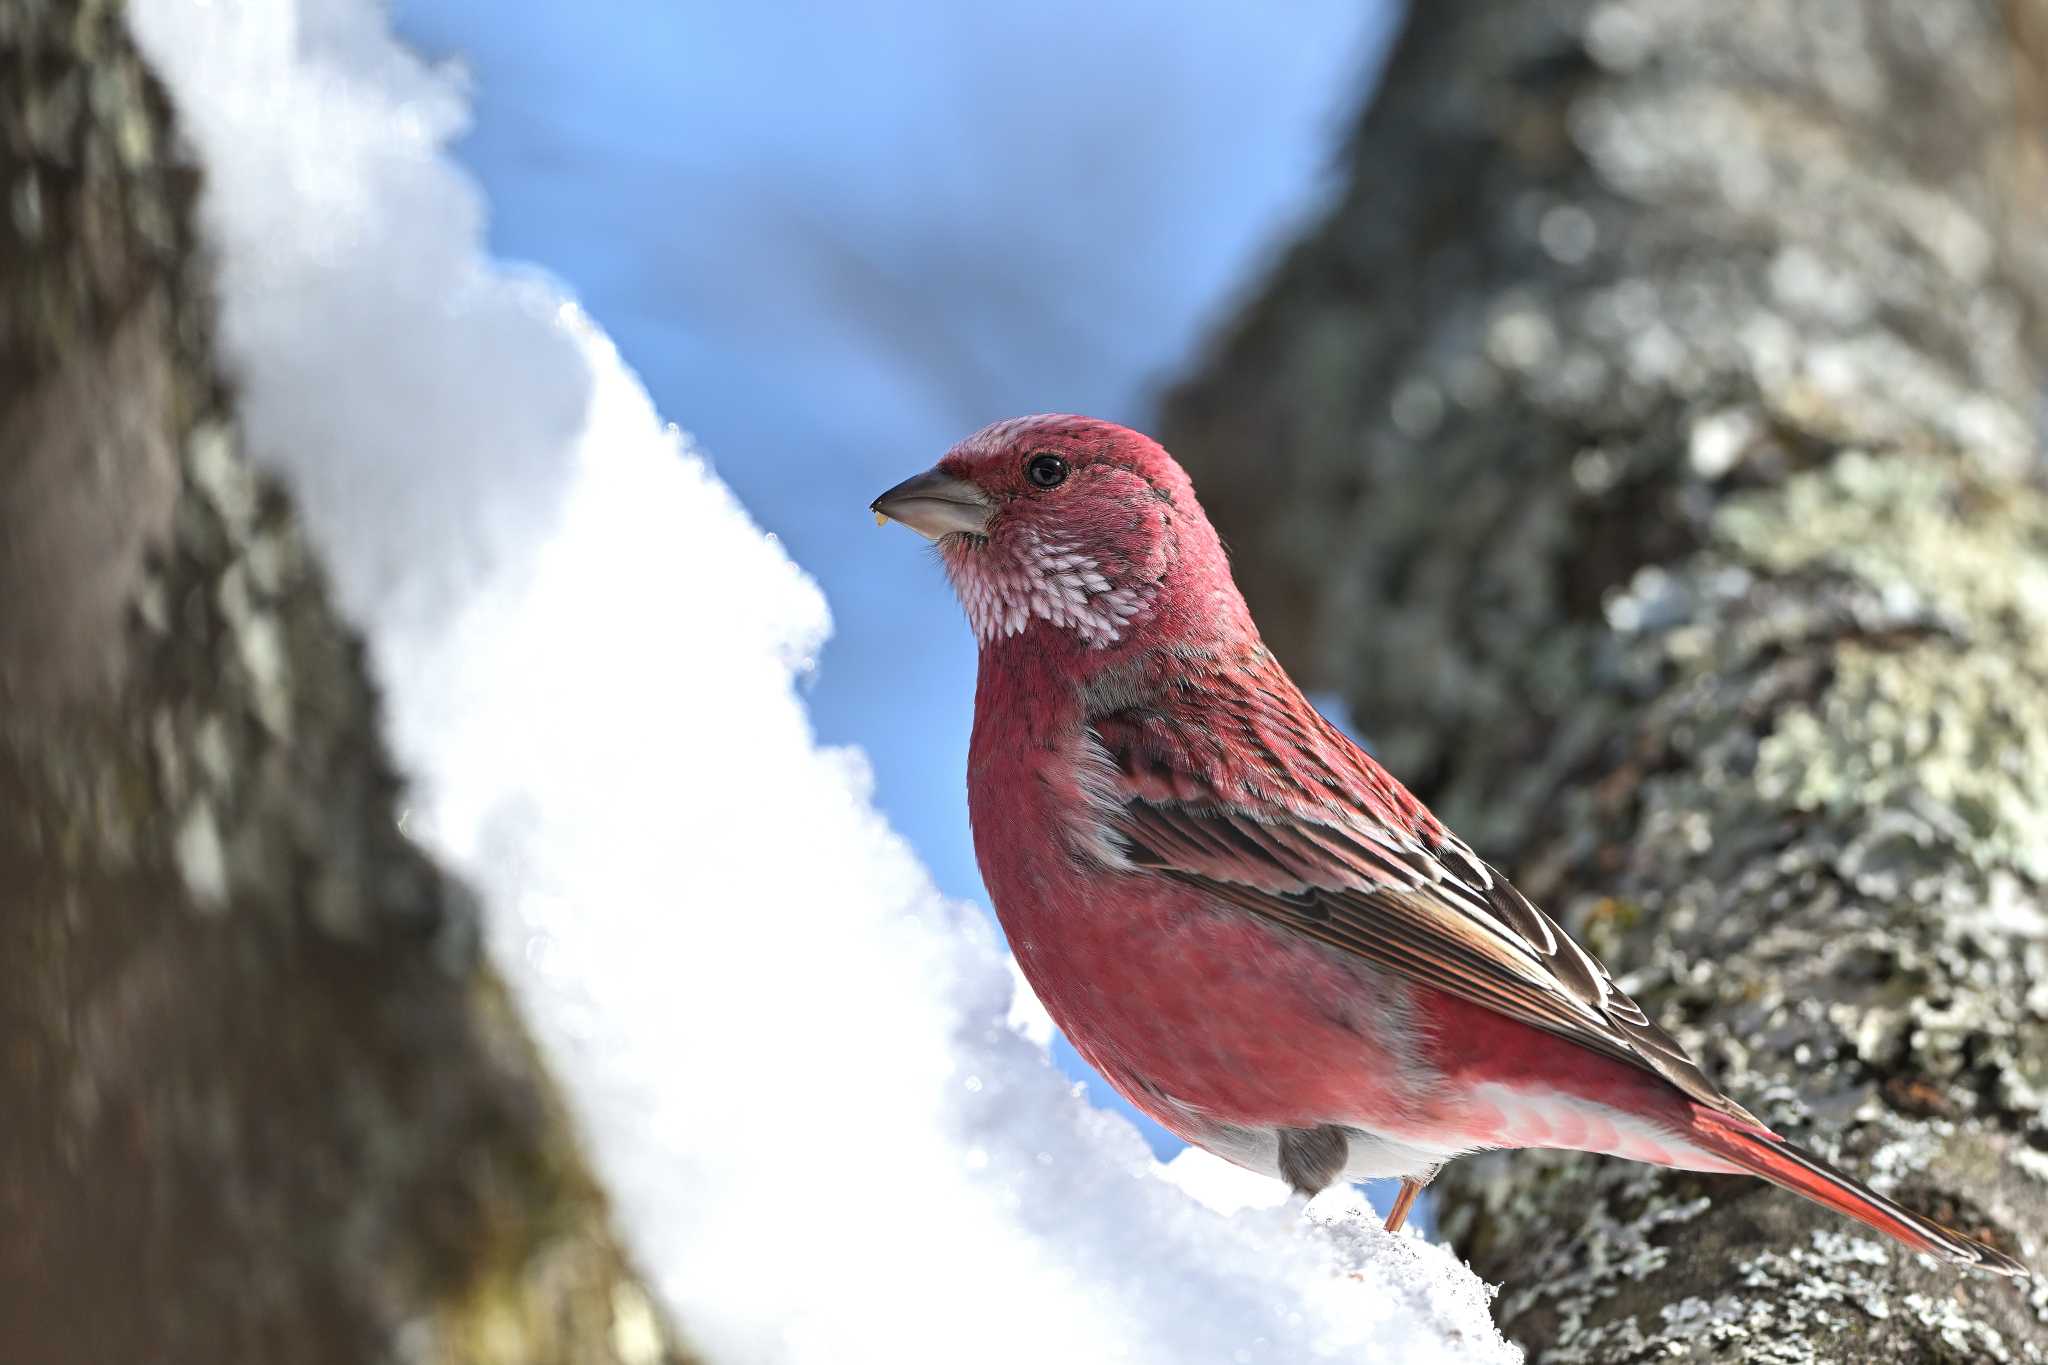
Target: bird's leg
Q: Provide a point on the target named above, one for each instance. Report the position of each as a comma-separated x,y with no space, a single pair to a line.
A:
1405,1200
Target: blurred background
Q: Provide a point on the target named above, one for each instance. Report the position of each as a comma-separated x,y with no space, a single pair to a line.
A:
925,217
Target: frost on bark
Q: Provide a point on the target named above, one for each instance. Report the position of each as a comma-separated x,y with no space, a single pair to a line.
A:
260,1098
1647,446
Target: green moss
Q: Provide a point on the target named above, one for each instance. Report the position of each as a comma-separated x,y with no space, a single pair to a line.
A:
1924,530
1968,731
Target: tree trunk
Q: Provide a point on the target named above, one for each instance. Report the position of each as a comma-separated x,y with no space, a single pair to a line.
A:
260,1098
1646,448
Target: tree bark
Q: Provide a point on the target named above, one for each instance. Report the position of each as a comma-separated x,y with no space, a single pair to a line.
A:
1646,447
260,1097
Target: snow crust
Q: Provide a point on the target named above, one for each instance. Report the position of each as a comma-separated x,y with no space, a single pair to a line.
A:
830,1131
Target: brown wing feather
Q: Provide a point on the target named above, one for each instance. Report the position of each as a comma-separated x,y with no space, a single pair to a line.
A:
1435,914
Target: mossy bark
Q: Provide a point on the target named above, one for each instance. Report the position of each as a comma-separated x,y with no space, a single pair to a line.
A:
260,1097
1647,447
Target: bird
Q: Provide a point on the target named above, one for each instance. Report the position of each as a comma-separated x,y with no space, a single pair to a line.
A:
1256,934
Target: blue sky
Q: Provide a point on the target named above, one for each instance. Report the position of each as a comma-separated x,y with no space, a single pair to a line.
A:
833,239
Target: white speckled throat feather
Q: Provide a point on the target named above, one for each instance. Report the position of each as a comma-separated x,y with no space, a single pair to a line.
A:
1006,584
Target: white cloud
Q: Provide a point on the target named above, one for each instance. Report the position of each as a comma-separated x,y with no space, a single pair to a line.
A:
793,1061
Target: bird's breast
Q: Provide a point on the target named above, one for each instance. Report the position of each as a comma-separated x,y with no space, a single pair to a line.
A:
1199,1013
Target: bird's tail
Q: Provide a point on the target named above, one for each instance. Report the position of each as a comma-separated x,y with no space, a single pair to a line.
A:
1762,1152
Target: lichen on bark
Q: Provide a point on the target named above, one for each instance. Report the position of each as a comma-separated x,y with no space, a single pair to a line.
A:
260,1096
1646,446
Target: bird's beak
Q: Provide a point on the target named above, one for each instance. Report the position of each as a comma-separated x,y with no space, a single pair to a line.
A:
934,505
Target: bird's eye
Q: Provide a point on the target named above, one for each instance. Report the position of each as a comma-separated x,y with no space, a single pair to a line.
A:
1046,471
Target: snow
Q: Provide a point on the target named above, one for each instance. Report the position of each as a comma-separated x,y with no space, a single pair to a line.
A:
1226,1188
794,1063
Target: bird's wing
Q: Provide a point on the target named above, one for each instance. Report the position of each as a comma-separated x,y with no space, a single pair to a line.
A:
1306,841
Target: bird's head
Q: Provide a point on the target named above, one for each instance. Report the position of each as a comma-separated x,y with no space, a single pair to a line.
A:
1074,531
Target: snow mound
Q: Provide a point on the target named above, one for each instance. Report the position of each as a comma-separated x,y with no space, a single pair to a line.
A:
792,1060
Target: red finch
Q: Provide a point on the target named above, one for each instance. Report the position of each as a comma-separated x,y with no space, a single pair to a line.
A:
1235,914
